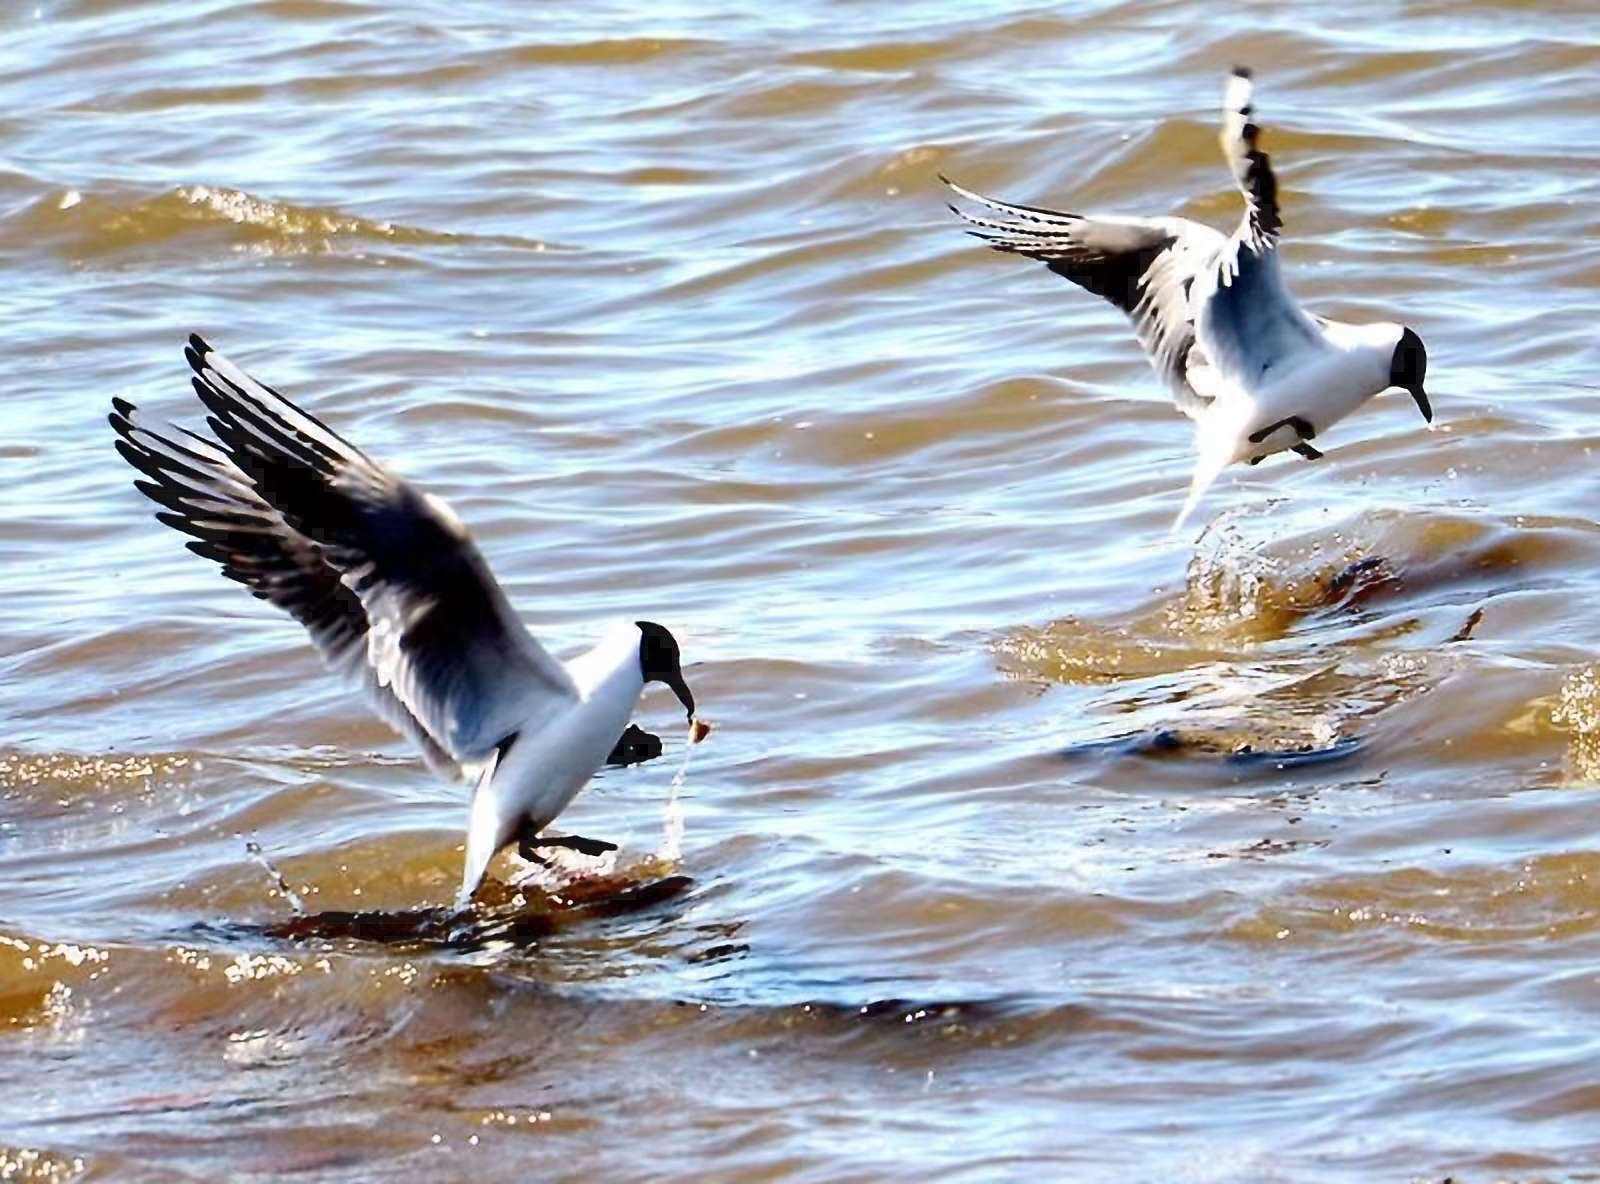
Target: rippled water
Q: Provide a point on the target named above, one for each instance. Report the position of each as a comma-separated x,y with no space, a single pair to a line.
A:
1031,843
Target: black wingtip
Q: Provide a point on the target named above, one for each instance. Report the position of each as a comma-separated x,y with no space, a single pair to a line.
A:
124,441
131,453
997,244
195,353
1243,72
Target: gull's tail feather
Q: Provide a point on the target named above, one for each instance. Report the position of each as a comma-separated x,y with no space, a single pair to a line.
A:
486,832
1206,471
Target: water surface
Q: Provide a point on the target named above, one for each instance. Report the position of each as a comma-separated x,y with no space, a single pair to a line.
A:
1031,843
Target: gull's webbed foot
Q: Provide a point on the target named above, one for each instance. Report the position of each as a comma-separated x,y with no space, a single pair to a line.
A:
528,842
635,745
1307,451
528,845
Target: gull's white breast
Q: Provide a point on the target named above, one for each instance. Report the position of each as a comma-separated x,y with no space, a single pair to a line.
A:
545,769
1321,383
548,764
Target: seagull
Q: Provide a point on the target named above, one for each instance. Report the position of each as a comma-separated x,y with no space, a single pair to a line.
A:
398,600
1255,372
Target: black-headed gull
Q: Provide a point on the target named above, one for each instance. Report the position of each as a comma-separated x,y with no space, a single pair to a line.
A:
397,598
1255,372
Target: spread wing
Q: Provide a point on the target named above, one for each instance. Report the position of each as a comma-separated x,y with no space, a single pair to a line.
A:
1247,319
1252,169
385,578
1144,266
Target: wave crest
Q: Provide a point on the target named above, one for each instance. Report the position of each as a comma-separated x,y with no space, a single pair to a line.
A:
88,226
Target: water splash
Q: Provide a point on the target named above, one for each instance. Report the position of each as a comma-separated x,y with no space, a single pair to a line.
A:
1228,578
1578,713
561,868
671,848
253,849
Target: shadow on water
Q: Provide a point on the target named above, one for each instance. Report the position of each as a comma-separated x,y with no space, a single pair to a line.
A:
1264,660
503,914
520,916
1236,747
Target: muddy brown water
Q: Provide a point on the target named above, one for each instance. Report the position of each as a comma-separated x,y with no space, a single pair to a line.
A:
1031,843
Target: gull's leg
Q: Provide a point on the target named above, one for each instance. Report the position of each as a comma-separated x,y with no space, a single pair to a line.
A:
1307,451
1302,428
529,841
1257,437
527,847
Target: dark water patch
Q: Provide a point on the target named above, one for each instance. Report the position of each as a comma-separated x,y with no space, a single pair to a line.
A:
521,917
1247,745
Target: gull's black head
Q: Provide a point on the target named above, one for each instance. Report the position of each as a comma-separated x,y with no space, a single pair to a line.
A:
1408,368
659,662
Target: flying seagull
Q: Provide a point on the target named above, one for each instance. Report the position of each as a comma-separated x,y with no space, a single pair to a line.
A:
1255,372
397,598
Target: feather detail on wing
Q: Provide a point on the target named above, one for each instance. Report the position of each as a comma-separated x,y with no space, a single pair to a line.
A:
1144,266
386,580
1246,318
1252,170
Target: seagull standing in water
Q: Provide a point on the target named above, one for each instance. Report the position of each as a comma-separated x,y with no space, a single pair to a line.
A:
1255,372
397,598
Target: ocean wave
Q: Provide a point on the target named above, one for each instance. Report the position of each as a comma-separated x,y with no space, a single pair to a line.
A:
89,226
